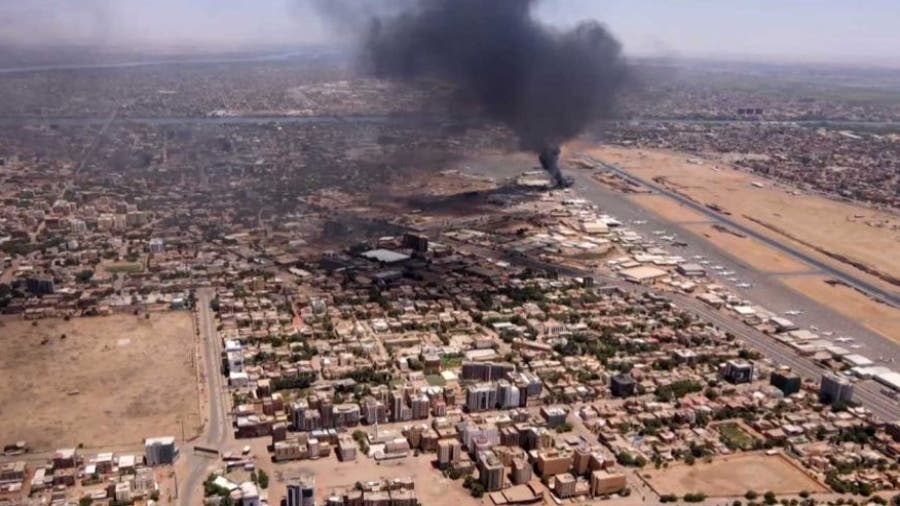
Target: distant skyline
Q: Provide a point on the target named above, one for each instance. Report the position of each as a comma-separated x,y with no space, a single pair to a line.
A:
793,30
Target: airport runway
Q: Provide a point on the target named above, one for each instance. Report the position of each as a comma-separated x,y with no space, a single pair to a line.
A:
766,290
860,284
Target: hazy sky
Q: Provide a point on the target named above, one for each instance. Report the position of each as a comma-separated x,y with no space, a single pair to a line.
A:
839,30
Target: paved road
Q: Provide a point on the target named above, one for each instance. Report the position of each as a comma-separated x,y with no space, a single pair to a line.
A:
218,424
866,393
861,284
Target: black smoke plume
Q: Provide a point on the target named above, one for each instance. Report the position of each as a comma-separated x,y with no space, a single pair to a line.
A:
546,85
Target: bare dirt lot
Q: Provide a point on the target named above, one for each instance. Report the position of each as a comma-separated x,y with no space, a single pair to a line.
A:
431,486
858,233
734,475
111,382
878,317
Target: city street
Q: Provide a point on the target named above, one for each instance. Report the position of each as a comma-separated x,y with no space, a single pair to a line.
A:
217,429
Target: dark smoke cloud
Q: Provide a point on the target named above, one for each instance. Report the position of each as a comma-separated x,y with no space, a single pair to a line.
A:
545,85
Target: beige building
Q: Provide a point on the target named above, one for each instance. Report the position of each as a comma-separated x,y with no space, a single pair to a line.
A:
553,462
603,482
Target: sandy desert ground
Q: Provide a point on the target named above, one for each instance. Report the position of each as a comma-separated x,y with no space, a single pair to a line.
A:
734,475
112,381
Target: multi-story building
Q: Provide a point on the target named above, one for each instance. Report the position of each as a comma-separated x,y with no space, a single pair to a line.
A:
345,415
554,415
485,371
738,371
835,389
622,385
449,452
603,482
564,485
481,397
507,395
786,381
420,406
554,461
301,492
521,471
160,451
303,417
490,471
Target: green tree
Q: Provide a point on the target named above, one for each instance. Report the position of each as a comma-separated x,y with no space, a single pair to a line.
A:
262,479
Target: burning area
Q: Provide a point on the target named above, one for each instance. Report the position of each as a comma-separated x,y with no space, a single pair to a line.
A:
545,84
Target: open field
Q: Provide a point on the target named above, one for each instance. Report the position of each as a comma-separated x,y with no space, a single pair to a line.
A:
751,251
431,486
112,381
667,208
876,316
734,475
856,232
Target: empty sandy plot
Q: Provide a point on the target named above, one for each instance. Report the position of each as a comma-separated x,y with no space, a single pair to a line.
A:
734,475
668,208
330,474
879,318
754,253
111,382
856,232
